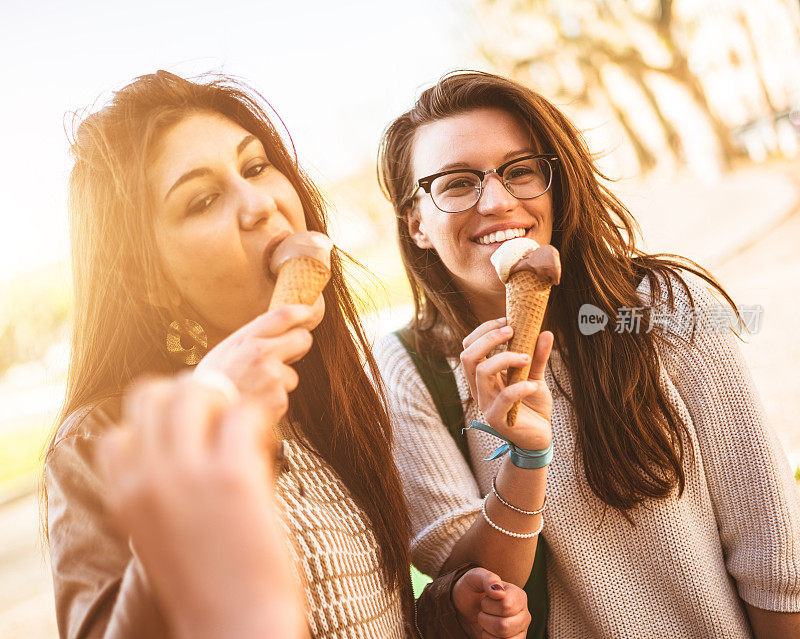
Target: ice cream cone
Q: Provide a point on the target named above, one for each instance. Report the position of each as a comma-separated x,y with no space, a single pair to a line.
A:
526,302
301,280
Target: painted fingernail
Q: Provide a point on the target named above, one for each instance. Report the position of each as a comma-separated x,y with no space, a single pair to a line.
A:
497,587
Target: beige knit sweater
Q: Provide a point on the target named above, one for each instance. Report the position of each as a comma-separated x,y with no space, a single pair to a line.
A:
684,568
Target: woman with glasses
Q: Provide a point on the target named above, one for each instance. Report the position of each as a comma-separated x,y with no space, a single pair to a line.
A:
180,193
668,508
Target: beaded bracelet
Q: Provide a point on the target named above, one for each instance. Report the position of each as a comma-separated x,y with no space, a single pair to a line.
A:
511,506
508,532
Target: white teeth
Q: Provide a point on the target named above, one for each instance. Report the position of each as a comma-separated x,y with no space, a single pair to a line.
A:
501,236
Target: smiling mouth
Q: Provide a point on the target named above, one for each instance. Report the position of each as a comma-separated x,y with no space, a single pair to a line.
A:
502,236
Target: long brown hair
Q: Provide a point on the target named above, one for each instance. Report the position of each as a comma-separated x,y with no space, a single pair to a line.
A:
117,335
629,454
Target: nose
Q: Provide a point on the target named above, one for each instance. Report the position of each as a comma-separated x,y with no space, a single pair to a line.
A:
255,207
495,198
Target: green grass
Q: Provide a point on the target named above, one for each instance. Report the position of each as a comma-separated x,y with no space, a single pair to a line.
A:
21,446
418,581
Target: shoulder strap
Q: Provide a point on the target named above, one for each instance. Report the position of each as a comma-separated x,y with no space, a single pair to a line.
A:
441,384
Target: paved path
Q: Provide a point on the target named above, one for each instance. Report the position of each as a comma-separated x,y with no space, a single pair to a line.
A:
26,589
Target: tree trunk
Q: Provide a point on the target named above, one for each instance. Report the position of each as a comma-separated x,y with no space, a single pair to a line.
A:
674,141
647,160
756,61
681,73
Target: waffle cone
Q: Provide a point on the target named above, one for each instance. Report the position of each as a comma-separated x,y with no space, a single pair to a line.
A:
526,302
301,280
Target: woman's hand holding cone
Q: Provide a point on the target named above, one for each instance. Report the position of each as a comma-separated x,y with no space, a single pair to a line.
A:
487,378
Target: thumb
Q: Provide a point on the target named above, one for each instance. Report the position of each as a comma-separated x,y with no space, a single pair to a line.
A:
495,588
484,582
541,353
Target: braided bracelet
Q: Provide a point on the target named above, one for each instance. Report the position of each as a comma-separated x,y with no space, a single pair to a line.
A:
508,532
511,506
521,458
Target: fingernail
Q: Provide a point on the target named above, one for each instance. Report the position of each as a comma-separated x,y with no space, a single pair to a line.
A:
502,320
526,357
497,587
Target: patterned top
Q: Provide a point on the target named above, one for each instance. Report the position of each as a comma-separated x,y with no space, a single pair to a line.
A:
336,551
686,565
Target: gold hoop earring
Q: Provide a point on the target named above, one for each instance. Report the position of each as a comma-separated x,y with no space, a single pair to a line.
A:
187,342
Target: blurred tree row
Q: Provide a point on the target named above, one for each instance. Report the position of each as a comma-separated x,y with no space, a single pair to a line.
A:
34,313
661,69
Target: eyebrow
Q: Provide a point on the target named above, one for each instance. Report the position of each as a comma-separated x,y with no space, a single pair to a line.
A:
247,139
196,173
506,157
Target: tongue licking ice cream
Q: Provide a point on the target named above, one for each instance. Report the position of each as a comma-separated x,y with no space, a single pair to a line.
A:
302,263
528,271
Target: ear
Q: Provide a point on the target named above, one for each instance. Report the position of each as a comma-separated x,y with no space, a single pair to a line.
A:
416,229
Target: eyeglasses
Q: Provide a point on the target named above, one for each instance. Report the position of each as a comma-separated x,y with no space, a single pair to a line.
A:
457,190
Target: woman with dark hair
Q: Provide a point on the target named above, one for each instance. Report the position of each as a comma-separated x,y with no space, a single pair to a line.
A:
670,507
179,194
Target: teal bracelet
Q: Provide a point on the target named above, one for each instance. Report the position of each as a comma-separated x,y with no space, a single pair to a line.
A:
521,458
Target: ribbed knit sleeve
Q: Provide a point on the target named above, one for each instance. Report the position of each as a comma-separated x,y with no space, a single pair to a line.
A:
443,496
754,496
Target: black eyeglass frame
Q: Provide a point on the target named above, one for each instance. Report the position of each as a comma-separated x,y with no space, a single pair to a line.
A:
425,183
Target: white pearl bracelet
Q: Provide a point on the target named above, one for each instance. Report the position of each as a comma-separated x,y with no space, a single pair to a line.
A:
512,506
508,532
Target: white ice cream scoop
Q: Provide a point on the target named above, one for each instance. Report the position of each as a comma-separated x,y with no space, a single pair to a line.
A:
509,253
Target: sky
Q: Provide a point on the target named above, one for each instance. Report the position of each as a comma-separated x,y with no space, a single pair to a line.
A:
336,72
